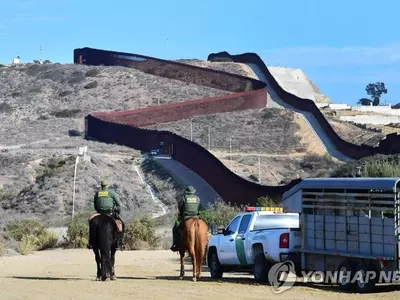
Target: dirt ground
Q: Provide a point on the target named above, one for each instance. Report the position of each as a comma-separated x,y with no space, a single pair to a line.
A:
70,274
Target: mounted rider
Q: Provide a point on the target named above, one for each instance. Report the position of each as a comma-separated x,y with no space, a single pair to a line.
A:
106,201
188,207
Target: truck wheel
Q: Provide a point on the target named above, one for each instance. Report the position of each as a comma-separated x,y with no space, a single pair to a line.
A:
215,266
261,268
346,273
363,284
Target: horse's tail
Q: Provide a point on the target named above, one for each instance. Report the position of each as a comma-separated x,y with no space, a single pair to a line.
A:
105,239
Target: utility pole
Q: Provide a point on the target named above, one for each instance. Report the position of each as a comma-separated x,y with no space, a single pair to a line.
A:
191,129
82,153
73,193
259,167
209,137
230,150
41,54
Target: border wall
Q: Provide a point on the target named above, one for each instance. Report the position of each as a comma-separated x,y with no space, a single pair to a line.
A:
389,145
243,93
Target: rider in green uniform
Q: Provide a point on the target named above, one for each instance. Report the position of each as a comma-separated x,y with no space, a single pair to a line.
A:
106,201
188,207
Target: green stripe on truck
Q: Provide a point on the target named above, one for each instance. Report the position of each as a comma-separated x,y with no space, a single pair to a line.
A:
239,244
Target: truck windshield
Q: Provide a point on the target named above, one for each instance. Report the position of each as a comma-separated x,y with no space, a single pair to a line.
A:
276,221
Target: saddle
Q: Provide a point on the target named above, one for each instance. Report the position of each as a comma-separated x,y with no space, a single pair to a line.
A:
118,223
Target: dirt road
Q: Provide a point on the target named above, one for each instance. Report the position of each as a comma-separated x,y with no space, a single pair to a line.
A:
70,274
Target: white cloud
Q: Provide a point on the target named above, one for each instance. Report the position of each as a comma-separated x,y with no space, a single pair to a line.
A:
322,56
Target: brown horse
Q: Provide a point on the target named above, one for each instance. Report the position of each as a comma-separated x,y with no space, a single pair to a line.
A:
194,239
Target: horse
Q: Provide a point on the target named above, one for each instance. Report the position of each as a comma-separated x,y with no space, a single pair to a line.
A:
104,237
194,239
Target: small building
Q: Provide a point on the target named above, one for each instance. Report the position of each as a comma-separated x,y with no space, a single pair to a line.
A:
16,60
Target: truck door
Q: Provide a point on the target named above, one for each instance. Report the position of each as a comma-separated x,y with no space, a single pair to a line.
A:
227,252
241,241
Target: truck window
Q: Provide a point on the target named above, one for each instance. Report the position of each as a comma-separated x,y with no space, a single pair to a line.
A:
244,224
276,221
233,226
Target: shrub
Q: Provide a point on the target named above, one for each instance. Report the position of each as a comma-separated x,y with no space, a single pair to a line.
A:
76,77
17,229
92,73
74,132
381,168
267,202
374,166
2,248
65,93
77,233
31,243
32,235
140,234
5,107
91,85
219,213
66,113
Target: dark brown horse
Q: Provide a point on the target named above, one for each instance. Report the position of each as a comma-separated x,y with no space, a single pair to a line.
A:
194,239
104,237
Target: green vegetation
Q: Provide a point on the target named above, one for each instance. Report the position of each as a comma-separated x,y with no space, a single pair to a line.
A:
220,213
77,233
2,248
373,166
140,234
32,235
267,202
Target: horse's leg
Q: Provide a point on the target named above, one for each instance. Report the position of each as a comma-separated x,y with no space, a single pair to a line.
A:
198,262
201,254
105,264
113,277
98,262
201,245
192,253
182,254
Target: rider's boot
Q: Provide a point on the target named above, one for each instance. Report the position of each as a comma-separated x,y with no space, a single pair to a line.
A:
174,248
89,245
121,245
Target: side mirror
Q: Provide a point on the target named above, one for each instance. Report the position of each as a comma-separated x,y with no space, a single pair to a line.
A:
214,229
221,231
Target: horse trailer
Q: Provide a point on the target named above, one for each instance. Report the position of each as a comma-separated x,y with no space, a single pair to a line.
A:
349,229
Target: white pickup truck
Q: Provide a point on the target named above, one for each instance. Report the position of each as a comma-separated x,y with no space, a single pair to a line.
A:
254,241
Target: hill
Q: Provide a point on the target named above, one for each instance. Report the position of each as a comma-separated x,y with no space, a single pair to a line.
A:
42,109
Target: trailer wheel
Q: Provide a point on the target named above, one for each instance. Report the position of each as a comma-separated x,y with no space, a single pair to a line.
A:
346,273
362,283
261,268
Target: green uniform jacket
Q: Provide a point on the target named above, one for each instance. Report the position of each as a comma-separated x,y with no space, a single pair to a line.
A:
189,206
106,200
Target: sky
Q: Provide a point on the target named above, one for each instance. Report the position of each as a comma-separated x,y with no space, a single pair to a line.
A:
341,45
